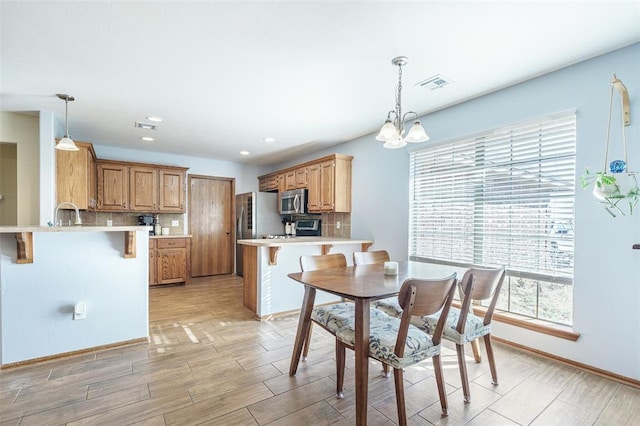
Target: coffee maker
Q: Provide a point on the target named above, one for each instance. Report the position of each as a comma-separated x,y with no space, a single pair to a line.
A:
147,220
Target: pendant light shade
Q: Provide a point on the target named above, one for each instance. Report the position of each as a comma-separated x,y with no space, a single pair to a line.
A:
392,130
417,133
66,143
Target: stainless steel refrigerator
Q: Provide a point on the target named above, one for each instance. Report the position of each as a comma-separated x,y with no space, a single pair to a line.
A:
256,215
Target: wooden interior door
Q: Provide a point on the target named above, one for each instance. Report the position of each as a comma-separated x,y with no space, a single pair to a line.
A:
211,219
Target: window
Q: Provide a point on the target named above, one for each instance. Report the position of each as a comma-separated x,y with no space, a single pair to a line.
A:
503,197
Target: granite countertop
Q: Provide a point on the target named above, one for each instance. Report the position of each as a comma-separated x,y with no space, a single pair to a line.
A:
265,242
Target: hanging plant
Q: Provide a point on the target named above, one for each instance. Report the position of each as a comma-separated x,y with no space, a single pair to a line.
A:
617,189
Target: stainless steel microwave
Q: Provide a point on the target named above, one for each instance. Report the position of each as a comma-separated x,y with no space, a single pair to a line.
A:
293,202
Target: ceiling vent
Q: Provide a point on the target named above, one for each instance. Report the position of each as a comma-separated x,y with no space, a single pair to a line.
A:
146,126
435,82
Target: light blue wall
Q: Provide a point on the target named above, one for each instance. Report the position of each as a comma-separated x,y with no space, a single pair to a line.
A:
607,270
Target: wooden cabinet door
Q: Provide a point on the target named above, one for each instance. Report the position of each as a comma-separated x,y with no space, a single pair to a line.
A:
76,177
301,178
290,180
327,185
172,265
113,186
314,202
152,262
143,189
172,190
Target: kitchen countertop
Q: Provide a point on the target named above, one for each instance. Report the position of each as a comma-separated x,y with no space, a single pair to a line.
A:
78,228
155,237
265,242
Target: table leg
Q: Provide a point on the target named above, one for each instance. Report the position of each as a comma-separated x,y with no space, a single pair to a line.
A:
303,327
361,348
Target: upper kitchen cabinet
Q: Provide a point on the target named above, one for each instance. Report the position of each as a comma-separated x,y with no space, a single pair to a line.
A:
328,180
113,186
149,188
143,189
172,189
329,184
76,176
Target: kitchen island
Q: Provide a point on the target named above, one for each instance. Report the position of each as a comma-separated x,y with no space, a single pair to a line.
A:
267,289
46,271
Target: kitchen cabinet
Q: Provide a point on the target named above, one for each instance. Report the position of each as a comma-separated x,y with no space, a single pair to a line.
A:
329,185
76,176
301,178
268,183
143,189
113,186
169,260
140,187
290,180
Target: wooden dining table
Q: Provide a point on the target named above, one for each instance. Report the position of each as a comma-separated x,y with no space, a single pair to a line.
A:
362,284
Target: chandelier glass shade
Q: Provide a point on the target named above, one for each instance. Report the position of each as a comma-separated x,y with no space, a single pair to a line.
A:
393,128
66,143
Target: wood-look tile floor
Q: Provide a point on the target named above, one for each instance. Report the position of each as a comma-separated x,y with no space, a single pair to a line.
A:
209,362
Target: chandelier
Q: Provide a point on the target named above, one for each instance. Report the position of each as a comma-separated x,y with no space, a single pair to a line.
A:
392,130
66,143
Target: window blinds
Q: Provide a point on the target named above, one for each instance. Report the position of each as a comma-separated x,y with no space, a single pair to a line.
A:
505,197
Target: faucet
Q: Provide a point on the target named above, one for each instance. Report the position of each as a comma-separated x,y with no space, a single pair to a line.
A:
67,203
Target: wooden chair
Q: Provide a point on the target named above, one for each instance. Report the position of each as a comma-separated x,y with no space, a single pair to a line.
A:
314,263
370,257
397,343
463,326
389,305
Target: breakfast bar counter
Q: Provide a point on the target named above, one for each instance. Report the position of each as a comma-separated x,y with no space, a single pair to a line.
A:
48,272
267,288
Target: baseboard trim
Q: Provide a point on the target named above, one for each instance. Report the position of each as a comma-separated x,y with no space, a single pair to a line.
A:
74,353
598,371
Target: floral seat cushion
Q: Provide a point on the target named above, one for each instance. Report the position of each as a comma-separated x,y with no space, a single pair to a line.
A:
474,327
382,341
336,316
390,306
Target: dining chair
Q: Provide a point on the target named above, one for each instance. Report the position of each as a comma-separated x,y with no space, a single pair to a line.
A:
389,305
399,344
463,326
327,316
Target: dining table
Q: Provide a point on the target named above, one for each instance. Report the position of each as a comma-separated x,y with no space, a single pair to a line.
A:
362,284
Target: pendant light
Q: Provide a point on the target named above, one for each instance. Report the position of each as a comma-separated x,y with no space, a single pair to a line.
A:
391,132
66,143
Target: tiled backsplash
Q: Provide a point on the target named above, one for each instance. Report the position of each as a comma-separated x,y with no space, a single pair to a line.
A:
122,219
330,228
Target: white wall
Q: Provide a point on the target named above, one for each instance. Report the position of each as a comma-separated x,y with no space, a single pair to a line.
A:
36,300
23,130
607,270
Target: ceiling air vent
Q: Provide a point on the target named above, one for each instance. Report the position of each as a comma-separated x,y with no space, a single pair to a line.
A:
146,126
435,82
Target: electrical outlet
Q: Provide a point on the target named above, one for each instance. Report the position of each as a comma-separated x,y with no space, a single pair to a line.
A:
175,223
338,225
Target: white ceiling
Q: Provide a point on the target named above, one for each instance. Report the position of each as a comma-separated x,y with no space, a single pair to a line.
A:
225,75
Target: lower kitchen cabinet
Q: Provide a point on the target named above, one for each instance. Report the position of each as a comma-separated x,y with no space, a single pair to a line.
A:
169,260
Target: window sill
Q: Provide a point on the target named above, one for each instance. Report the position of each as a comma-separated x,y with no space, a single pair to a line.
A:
540,326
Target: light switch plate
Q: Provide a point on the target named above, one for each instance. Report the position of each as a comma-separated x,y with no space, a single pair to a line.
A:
175,223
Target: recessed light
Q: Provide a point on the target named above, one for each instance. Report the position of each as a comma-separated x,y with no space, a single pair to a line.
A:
155,119
147,139
269,140
244,152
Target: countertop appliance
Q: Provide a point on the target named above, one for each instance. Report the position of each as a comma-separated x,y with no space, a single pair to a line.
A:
293,202
147,220
308,227
256,214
